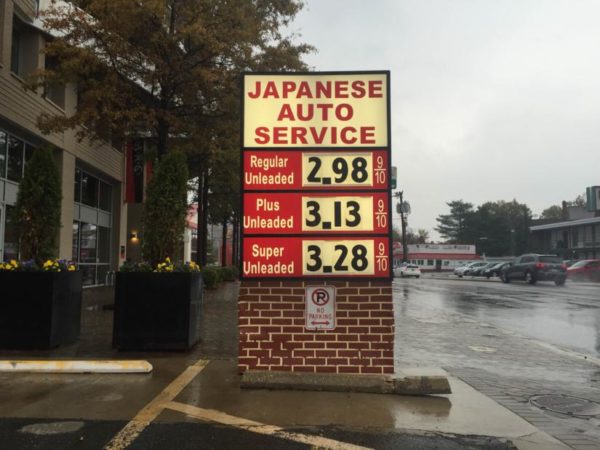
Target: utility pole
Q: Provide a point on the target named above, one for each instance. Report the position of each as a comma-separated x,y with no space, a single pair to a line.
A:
403,208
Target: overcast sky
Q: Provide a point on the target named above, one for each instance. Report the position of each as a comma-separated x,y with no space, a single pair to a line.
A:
491,99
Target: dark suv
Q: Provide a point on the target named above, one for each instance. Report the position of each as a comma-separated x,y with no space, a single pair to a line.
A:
533,267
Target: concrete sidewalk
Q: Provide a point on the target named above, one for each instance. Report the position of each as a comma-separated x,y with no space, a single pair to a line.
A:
174,403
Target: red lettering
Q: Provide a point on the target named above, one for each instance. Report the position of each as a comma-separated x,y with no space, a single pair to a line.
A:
256,93
339,111
344,135
262,134
285,112
375,89
318,137
341,89
367,135
298,135
310,111
271,90
279,135
324,107
288,86
304,90
323,89
358,89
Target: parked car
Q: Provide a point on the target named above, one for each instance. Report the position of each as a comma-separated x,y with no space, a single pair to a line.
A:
460,271
584,270
494,271
533,267
474,268
478,271
407,270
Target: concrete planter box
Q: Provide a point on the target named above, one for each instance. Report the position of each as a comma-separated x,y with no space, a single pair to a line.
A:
157,311
39,310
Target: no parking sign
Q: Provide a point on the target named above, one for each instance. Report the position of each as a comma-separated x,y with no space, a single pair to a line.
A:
320,308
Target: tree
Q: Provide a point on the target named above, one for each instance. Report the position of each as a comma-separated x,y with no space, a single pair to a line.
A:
159,66
554,212
421,236
165,209
456,227
37,211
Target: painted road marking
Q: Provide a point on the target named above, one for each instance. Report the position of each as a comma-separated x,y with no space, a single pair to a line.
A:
136,425
211,415
75,366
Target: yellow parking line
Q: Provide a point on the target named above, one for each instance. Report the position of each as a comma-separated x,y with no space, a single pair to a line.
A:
211,415
143,418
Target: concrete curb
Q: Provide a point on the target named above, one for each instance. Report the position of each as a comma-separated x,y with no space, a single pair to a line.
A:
374,384
75,366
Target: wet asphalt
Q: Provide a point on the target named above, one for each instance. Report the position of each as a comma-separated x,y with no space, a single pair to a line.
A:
43,412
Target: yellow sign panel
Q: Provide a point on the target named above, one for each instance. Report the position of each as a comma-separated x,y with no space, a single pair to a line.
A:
341,110
344,257
337,213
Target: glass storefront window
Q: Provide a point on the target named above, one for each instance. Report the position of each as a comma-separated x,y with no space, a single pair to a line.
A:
105,196
88,240
75,241
14,170
3,138
103,244
28,152
88,273
89,190
11,239
78,185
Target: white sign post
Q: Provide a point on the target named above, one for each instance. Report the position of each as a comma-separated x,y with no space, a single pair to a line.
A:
320,308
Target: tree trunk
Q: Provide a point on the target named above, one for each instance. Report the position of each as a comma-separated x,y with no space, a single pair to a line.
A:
224,244
204,218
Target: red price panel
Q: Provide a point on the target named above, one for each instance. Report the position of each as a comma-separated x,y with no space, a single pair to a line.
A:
275,170
275,257
294,213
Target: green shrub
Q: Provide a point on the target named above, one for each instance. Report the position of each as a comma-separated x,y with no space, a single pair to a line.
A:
165,209
210,277
37,211
228,273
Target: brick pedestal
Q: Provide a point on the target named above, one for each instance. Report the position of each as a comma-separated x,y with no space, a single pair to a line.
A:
273,337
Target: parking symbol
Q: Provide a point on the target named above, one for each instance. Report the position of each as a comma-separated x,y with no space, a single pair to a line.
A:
320,297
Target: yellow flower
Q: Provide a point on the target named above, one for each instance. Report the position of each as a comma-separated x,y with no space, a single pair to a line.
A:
72,268
167,259
48,263
13,263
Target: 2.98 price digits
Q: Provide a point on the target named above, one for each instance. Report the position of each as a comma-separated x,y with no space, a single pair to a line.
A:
338,170
336,257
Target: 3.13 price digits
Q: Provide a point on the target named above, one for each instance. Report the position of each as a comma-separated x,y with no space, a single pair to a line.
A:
337,213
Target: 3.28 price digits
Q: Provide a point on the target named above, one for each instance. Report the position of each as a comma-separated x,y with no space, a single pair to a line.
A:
338,257
324,169
337,213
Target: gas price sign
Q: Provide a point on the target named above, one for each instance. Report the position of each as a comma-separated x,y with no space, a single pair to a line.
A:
290,257
293,213
312,170
316,175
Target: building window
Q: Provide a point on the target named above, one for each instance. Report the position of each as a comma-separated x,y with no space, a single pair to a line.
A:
16,51
14,169
77,187
11,239
89,190
430,262
53,91
105,196
3,139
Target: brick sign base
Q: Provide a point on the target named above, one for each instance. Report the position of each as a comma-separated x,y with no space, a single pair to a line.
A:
273,337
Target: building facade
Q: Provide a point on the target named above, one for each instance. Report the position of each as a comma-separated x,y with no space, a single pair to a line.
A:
571,239
436,257
94,215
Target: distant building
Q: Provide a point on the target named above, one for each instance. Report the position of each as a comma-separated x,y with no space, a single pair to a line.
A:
436,257
575,236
